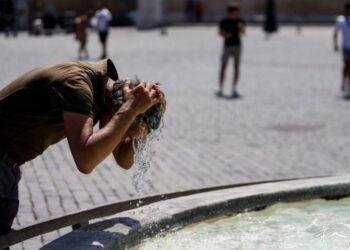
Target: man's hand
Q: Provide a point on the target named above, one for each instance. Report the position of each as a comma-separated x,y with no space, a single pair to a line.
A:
161,96
140,98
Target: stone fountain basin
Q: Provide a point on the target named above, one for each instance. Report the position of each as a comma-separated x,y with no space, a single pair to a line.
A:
129,228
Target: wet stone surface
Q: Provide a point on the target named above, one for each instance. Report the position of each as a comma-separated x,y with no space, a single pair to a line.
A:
290,83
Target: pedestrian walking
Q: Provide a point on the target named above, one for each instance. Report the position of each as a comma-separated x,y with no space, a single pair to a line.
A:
231,28
104,18
343,26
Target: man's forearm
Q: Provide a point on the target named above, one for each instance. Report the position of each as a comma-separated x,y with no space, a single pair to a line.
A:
89,148
101,143
124,154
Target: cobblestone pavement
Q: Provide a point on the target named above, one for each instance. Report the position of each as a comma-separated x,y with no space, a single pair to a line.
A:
291,121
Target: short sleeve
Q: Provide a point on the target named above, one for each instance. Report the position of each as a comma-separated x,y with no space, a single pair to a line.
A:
73,95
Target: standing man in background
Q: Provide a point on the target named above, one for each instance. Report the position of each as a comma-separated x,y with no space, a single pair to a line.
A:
104,18
230,29
343,26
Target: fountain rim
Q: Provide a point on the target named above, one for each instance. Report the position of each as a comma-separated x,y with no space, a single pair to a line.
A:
129,228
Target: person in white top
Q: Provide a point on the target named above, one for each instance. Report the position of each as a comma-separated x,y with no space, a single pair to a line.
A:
103,17
343,26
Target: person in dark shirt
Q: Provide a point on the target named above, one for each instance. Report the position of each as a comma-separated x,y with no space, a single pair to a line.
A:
231,29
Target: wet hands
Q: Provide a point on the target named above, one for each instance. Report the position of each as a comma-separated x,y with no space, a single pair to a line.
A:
161,95
142,97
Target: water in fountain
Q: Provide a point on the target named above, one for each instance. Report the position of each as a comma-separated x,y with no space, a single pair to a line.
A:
310,225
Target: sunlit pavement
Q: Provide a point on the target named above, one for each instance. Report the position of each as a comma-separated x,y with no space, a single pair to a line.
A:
290,122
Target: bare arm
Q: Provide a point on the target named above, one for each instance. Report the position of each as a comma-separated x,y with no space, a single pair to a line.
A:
124,153
89,148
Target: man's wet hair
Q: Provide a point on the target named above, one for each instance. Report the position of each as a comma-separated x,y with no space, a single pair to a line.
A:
232,7
152,117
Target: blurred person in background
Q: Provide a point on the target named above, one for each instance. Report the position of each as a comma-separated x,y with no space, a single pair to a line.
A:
37,27
231,28
81,34
103,18
343,26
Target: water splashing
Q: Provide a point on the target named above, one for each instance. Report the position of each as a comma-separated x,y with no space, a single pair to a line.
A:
143,156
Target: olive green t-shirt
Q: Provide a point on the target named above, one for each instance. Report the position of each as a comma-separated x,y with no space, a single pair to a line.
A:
32,106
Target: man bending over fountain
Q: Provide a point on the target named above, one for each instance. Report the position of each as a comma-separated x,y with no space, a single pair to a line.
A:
66,100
